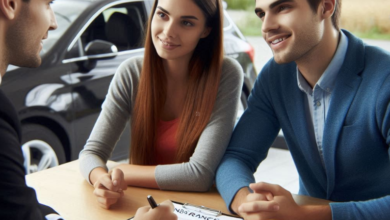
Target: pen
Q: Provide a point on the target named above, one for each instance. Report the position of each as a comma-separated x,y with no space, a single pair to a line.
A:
151,201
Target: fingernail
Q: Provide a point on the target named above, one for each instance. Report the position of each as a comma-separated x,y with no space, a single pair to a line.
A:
120,190
276,207
115,182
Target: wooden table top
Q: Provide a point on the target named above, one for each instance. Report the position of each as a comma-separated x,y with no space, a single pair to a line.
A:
64,189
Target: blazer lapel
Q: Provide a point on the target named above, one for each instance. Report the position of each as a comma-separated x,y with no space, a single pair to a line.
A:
347,84
295,102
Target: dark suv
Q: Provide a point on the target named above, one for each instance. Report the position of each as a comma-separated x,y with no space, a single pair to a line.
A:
59,102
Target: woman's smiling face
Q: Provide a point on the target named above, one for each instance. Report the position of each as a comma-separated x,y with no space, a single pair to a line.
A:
177,27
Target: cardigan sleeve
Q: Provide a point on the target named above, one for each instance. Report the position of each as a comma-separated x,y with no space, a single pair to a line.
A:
115,114
250,142
198,174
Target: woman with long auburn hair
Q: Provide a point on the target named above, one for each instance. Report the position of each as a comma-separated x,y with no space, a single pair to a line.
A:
181,100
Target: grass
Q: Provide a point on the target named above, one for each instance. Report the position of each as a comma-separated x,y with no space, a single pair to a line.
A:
368,19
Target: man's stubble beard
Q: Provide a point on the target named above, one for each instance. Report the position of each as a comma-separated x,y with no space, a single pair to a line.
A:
21,50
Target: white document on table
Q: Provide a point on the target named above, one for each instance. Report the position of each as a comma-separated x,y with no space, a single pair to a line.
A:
189,212
192,212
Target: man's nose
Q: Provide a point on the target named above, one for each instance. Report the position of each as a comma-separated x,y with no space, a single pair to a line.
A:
269,23
53,21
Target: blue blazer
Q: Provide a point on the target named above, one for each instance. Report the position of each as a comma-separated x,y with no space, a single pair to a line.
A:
356,135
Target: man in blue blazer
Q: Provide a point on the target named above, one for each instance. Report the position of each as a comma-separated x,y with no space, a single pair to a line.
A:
330,94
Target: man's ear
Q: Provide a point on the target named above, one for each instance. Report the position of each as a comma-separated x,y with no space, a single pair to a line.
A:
8,8
328,7
206,32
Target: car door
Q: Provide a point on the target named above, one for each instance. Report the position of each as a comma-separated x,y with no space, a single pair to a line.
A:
123,26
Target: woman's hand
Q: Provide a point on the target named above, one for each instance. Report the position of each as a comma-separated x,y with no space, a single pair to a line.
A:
163,212
109,187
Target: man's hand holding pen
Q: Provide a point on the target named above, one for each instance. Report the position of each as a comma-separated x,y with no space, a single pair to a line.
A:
162,211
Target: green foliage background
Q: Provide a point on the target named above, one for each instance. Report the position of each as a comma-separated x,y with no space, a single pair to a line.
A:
240,4
375,25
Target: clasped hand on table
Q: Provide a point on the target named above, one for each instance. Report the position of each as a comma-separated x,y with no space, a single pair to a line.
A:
109,189
270,201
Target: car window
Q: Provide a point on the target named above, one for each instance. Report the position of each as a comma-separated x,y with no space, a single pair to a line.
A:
65,14
107,13
121,25
226,22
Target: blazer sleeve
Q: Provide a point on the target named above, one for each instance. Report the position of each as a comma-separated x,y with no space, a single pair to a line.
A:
376,208
18,201
250,142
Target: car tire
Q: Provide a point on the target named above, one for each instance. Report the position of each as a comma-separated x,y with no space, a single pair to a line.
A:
41,148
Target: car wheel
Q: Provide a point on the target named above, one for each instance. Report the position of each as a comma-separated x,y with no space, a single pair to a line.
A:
41,148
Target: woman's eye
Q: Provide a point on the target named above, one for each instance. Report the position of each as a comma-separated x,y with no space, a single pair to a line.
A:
161,15
187,24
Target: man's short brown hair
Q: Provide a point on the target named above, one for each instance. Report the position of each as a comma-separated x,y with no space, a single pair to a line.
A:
337,11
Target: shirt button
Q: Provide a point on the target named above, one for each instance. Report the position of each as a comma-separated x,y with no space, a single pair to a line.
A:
318,103
328,89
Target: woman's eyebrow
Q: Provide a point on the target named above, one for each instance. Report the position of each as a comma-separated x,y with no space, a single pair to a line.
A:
183,17
189,17
162,9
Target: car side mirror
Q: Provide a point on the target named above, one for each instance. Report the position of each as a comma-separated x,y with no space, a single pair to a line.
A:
100,50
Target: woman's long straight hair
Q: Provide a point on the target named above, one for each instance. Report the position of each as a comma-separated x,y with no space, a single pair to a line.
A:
204,75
